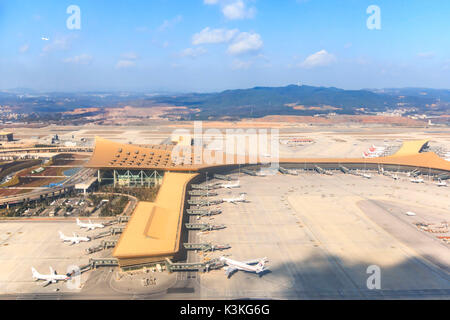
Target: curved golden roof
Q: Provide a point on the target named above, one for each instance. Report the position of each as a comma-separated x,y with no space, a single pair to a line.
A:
114,155
154,227
411,147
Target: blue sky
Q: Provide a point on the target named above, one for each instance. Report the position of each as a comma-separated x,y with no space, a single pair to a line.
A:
209,45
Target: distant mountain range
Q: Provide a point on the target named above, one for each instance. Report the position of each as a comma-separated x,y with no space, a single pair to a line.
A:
308,100
254,102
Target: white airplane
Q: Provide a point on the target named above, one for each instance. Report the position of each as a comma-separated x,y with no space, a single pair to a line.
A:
417,180
441,183
235,200
367,175
395,177
371,154
247,266
45,38
411,214
53,277
374,148
74,240
231,185
90,225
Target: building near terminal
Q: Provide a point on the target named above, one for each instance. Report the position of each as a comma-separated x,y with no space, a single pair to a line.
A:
6,136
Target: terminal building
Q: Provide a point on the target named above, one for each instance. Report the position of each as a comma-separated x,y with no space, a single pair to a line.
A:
155,230
6,136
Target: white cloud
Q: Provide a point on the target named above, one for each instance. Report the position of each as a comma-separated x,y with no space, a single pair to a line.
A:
130,56
193,52
234,9
121,64
81,59
208,35
238,10
60,43
245,42
170,23
24,48
241,65
318,59
426,55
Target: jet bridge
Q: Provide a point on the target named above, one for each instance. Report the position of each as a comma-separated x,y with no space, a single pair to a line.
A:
200,202
323,171
223,177
288,171
205,246
111,232
204,226
249,172
105,244
344,169
195,266
201,212
204,187
103,262
202,193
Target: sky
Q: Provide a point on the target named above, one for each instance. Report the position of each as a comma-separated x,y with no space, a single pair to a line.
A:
214,45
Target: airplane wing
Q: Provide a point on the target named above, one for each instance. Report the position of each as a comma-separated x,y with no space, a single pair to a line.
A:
230,271
255,261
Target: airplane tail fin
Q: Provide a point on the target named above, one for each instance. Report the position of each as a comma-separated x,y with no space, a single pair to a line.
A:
261,264
34,272
52,272
78,221
61,235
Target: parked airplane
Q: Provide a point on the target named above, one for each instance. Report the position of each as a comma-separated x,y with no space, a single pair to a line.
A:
53,277
395,177
375,148
411,214
441,183
367,175
371,154
90,225
74,240
235,200
237,184
247,266
417,180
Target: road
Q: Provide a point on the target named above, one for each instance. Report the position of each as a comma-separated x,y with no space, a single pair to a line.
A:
69,183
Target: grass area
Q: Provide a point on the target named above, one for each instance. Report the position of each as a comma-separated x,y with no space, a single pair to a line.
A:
115,205
142,194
